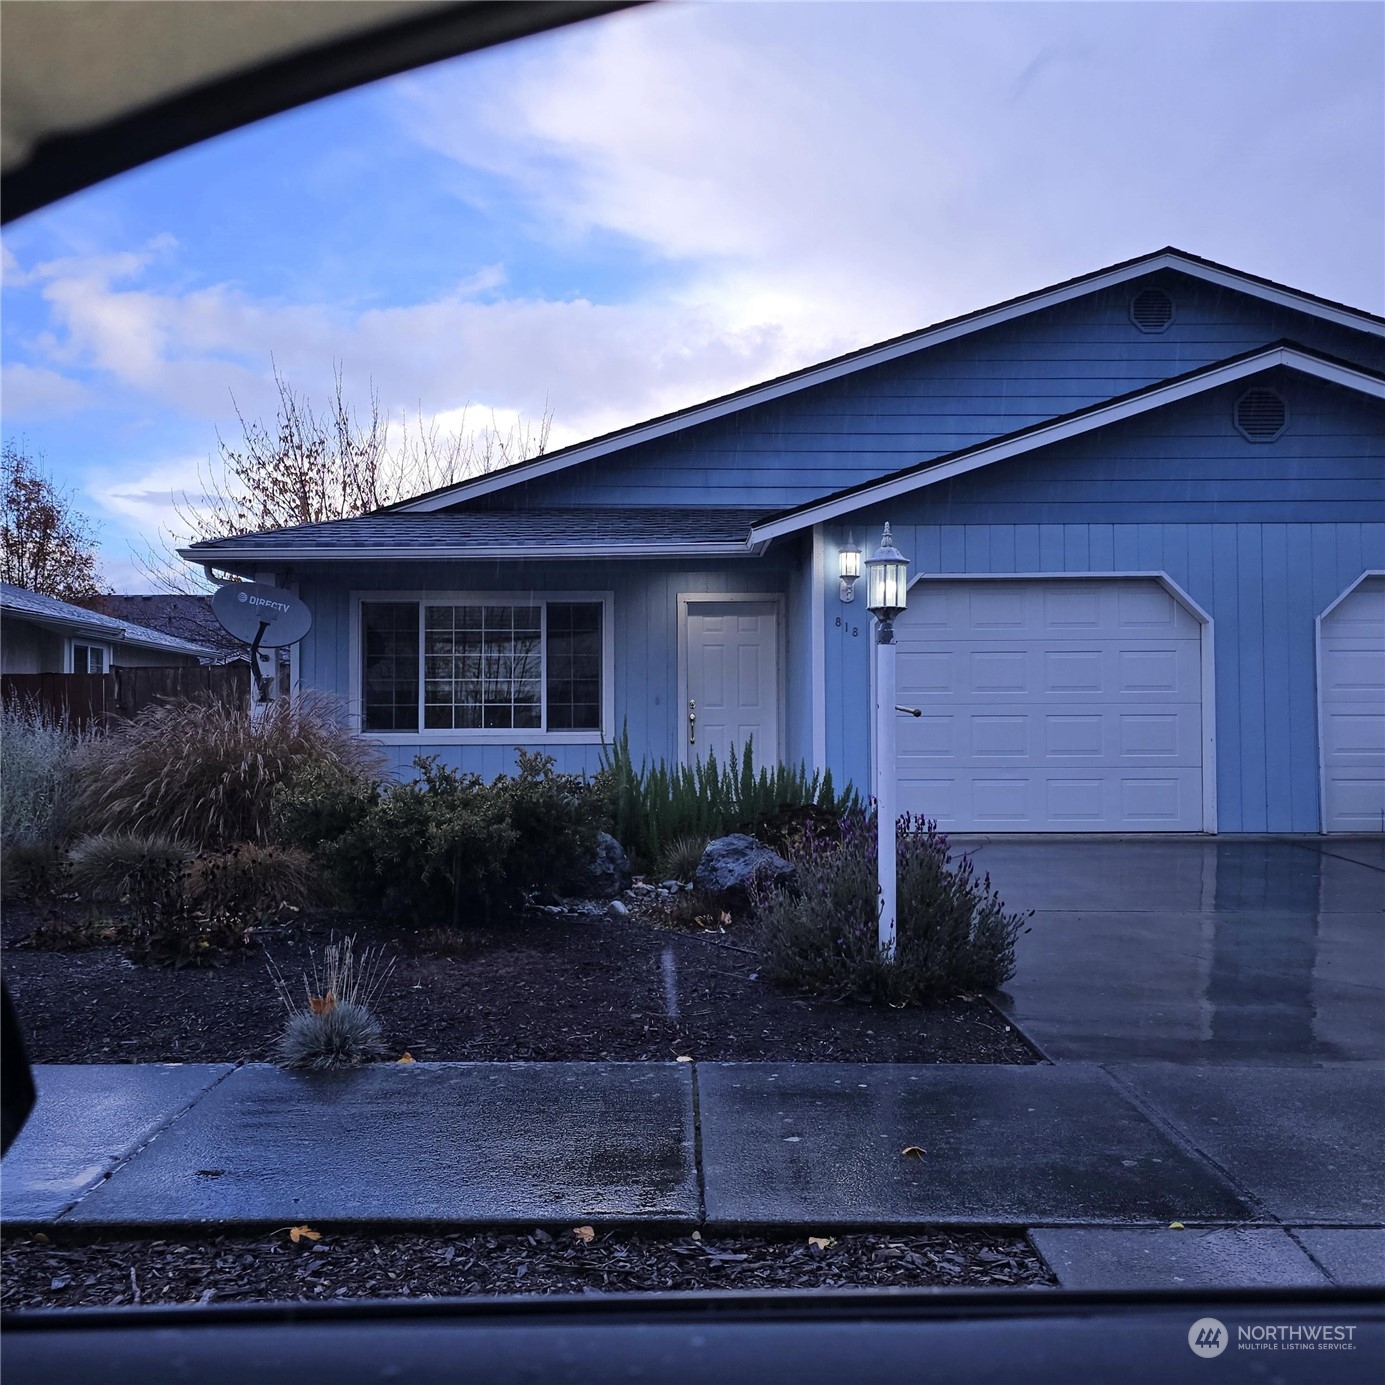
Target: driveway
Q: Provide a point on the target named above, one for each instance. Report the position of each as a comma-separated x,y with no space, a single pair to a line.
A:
1198,951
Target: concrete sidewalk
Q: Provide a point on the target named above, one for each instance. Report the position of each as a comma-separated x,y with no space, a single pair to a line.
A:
1098,1161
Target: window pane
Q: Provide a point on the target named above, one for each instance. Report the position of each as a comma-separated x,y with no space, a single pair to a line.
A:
483,666
574,666
389,651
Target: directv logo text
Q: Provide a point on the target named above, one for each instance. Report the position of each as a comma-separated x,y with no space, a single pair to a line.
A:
261,601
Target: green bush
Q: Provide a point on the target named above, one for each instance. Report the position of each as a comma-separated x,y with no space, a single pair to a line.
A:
652,806
953,932
322,804
106,865
205,773
37,750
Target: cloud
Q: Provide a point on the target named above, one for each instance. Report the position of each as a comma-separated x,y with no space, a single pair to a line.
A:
30,392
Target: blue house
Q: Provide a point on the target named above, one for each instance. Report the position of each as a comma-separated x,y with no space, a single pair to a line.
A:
1145,514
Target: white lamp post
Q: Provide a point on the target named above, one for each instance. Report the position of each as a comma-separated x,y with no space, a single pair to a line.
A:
887,587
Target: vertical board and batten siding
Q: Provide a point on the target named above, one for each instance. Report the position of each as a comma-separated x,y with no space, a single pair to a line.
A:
883,418
646,642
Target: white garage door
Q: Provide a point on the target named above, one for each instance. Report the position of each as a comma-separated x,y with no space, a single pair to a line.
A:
1352,663
1051,706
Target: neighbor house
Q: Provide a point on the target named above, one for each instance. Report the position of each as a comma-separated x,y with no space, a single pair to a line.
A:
40,634
1145,511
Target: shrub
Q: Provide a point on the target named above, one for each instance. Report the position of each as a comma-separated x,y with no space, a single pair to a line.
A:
336,1027
554,819
168,928
953,932
652,806
681,857
33,872
106,865
37,750
206,773
322,804
254,884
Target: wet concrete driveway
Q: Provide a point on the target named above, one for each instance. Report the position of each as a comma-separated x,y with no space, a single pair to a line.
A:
1195,951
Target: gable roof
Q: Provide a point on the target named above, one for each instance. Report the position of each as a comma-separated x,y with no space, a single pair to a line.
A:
552,533
1140,401
1223,276
62,615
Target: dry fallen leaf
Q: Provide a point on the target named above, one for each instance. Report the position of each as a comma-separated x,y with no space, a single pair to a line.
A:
682,1058
407,1058
913,1152
585,1234
1177,1226
322,1004
41,1238
822,1242
697,1235
301,1233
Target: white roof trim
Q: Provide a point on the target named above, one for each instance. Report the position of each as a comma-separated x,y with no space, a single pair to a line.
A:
1164,259
511,552
1062,429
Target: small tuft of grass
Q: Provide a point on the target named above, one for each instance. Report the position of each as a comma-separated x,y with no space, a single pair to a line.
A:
337,1026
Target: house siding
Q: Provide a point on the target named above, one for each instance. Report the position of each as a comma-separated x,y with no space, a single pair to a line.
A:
645,609
884,418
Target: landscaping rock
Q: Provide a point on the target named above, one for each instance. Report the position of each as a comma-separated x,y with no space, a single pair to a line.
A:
731,864
609,872
617,910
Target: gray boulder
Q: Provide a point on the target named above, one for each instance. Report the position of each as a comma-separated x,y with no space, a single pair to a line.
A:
730,865
609,871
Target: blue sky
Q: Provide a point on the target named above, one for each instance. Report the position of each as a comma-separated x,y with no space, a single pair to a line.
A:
635,214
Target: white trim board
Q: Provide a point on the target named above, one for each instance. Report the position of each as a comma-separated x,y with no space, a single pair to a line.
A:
1317,679
686,599
477,735
431,553
1207,653
1222,276
1060,430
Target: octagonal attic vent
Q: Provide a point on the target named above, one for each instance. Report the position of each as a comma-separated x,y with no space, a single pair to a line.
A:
1151,310
1261,415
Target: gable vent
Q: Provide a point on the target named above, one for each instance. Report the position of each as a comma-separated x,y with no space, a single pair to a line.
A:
1261,415
1151,310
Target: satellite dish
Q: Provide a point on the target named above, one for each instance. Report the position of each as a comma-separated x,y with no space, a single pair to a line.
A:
263,616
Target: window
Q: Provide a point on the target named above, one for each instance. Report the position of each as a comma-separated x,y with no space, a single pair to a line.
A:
535,665
88,658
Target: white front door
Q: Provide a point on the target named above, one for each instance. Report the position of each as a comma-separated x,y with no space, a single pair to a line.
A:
732,684
1050,706
1351,658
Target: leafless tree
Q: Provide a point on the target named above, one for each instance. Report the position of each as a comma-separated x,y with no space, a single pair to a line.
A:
45,544
308,467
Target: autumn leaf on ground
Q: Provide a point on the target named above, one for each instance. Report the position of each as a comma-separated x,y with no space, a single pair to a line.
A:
697,1235
407,1058
822,1242
303,1233
40,1238
913,1152
1177,1226
585,1234
322,1004
683,1058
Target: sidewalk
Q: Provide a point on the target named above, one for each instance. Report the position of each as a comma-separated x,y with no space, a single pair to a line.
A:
1096,1161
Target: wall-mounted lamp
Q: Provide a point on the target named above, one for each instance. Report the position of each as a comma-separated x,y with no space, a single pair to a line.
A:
849,559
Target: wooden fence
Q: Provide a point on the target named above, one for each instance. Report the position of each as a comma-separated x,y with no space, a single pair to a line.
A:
124,691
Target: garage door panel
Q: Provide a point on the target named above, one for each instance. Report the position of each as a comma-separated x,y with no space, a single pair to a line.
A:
1051,705
1352,675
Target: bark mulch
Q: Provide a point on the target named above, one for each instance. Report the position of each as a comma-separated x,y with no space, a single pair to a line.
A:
544,987
67,1273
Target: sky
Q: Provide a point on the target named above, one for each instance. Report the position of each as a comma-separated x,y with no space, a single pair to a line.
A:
634,214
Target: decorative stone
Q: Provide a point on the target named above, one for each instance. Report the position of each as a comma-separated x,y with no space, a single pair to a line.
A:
731,864
609,871
617,910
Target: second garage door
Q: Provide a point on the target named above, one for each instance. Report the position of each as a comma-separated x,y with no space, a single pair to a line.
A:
1051,706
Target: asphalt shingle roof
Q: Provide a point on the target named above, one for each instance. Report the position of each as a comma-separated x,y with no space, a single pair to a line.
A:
589,530
48,609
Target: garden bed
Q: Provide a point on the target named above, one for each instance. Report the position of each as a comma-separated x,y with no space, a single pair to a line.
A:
71,1271
545,987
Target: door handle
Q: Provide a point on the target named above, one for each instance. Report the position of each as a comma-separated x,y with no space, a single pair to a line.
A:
692,722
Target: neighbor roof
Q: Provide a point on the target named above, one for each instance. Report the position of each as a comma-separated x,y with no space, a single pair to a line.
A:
1286,353
62,615
552,533
1170,257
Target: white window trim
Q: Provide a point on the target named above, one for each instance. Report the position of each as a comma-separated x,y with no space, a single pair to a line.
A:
482,735
71,653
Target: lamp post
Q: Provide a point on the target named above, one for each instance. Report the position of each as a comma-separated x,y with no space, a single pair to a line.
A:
887,585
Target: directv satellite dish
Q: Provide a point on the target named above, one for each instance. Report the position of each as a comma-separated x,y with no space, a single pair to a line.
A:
264,617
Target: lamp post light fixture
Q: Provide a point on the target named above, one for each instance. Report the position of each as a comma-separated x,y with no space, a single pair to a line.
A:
849,567
887,593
